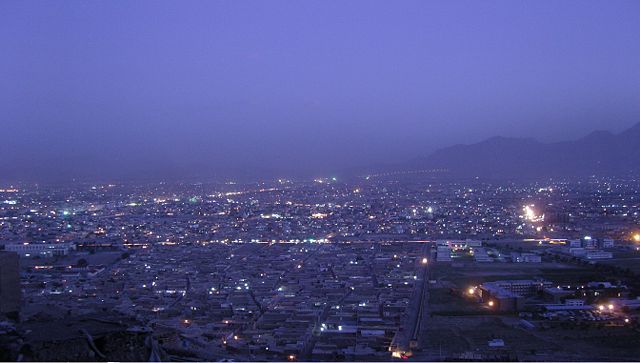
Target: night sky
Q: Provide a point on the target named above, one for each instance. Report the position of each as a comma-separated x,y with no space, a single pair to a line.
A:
112,89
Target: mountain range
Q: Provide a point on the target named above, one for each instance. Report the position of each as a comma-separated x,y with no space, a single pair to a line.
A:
600,153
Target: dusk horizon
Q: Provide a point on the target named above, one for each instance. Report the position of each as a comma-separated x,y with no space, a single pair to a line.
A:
198,171
108,88
320,181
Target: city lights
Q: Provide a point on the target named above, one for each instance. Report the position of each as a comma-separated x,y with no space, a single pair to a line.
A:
529,213
252,259
320,181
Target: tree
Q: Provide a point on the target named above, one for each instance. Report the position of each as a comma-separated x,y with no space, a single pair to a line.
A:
82,263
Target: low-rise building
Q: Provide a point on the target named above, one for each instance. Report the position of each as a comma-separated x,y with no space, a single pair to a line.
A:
525,257
598,255
40,249
10,293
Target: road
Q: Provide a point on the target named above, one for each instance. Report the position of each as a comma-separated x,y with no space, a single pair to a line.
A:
406,340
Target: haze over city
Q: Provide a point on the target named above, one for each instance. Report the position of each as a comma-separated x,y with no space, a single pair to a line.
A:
310,181
99,90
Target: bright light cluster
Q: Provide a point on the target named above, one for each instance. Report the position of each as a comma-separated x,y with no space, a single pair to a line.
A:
530,214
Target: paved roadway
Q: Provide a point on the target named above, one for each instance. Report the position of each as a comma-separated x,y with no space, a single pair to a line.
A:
417,311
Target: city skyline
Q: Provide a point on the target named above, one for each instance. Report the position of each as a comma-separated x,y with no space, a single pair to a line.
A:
311,181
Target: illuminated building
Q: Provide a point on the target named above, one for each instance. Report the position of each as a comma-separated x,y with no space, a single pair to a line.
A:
41,249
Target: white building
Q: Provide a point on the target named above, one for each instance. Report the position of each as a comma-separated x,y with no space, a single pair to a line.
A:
481,255
458,243
574,302
525,257
607,243
598,255
444,254
40,249
575,243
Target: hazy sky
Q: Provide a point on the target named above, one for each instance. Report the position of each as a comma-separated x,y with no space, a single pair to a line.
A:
119,88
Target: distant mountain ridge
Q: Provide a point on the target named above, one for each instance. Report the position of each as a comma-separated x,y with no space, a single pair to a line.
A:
599,153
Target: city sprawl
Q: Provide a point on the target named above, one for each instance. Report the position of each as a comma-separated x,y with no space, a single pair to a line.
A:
362,269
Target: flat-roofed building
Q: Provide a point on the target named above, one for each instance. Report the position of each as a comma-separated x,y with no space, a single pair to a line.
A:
598,255
507,295
40,249
10,294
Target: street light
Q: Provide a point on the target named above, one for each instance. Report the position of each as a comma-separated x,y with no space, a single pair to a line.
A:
424,260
